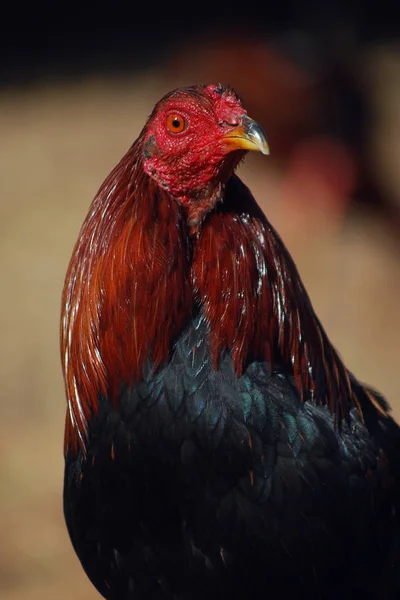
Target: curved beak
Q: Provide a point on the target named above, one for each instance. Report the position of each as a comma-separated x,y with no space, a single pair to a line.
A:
249,135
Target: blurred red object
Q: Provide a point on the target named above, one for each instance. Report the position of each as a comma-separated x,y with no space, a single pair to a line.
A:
320,176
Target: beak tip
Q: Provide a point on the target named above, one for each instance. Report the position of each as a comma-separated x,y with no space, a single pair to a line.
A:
258,136
249,135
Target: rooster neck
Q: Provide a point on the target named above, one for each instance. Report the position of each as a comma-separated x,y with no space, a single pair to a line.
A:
127,292
137,271
257,306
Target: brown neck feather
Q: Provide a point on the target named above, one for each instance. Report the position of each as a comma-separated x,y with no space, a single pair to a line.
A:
257,305
127,291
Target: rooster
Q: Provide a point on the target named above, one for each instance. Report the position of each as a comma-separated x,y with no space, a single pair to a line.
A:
216,446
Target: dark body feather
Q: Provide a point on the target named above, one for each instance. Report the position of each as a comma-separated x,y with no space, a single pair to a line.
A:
238,458
202,484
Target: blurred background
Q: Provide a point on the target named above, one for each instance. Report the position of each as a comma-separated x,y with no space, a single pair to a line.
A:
76,84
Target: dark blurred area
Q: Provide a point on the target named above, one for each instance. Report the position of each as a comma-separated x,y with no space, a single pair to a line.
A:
77,81
71,37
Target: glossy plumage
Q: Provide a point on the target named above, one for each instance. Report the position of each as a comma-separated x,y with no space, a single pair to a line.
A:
216,445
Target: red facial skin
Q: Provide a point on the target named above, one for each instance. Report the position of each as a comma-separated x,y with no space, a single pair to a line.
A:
192,163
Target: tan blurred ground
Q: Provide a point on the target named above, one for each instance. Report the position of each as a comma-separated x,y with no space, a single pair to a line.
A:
57,145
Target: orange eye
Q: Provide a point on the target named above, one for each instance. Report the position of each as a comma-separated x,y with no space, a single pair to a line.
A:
176,123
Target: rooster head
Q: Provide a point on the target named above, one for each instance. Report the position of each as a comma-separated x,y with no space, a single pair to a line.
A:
195,138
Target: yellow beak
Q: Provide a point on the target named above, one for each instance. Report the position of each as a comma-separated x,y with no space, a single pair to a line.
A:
249,135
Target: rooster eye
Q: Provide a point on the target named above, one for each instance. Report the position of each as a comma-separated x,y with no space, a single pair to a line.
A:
176,123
